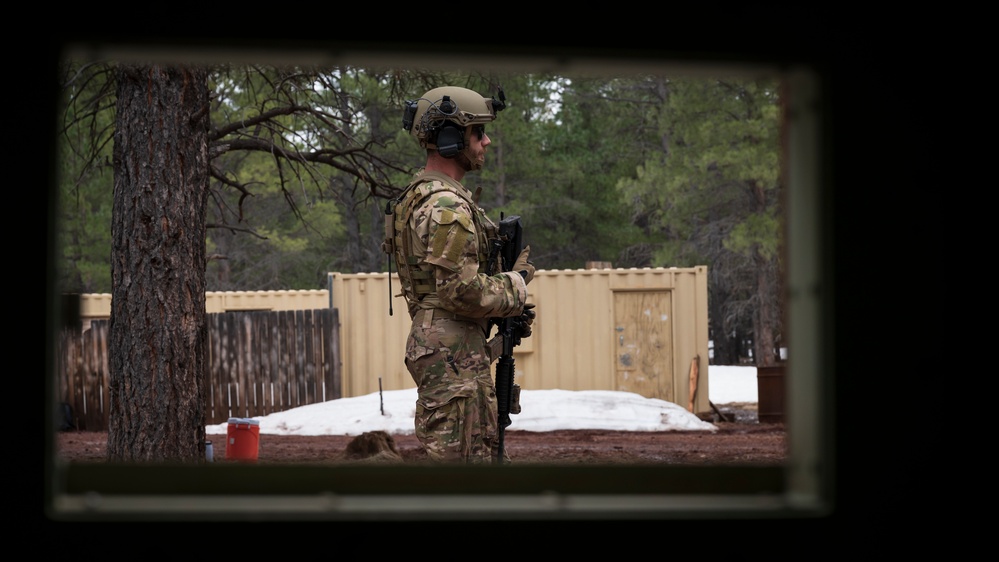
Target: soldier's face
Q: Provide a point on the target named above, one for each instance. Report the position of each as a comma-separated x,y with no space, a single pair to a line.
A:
474,157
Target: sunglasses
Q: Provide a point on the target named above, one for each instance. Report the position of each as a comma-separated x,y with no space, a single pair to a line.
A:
479,131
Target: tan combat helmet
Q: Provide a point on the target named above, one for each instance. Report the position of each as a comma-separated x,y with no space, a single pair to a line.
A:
440,118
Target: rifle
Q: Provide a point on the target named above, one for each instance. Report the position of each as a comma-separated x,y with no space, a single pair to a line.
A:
509,245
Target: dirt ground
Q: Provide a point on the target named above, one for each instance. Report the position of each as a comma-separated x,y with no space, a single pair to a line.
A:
742,440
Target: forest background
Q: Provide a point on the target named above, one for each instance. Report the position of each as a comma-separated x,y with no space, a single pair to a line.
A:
638,170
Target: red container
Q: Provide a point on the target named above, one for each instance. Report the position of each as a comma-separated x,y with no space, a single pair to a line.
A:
244,439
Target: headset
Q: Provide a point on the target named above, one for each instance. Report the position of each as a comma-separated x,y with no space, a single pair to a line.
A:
450,139
448,136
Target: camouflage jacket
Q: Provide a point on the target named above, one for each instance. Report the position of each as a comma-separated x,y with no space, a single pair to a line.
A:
441,241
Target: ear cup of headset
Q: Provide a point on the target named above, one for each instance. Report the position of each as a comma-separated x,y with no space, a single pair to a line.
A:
450,140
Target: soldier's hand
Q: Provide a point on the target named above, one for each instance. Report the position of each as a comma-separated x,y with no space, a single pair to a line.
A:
529,311
523,266
526,320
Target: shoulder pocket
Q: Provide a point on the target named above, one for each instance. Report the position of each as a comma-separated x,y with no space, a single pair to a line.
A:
451,238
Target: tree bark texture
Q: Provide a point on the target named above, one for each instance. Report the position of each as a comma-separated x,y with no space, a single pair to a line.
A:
157,330
765,315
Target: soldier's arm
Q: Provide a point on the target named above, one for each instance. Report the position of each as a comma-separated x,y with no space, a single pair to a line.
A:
453,249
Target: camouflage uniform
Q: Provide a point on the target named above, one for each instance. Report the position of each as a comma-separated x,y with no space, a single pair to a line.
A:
442,240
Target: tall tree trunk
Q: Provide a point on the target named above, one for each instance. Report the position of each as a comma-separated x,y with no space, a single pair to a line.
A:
157,330
765,315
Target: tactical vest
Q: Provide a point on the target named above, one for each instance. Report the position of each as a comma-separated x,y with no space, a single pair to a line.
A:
415,275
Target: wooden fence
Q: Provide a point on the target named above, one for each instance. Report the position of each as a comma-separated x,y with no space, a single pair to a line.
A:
259,362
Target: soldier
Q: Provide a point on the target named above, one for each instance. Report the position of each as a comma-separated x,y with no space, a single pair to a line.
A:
441,240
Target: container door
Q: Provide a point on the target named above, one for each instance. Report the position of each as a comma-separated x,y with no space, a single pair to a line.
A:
643,342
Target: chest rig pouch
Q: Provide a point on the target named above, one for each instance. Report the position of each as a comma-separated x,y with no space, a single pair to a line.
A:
415,275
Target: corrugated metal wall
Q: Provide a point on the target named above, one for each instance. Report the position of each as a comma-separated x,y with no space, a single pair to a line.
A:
576,336
374,342
594,329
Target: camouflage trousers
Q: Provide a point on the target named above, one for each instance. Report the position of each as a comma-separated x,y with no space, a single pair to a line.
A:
456,412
